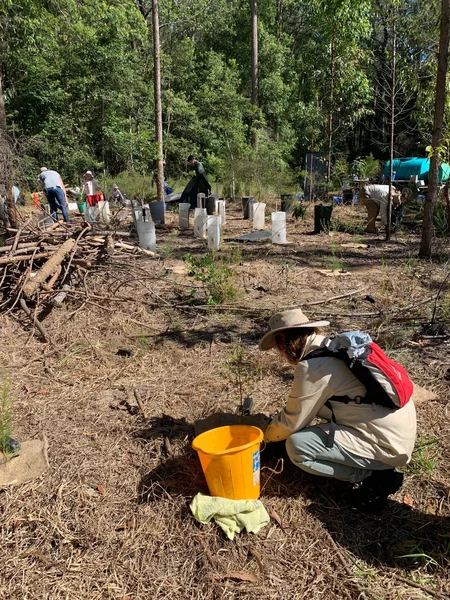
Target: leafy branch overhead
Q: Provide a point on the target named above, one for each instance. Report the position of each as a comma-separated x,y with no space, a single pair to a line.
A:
76,80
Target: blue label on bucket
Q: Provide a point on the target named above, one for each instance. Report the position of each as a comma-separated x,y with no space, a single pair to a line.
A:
256,467
255,461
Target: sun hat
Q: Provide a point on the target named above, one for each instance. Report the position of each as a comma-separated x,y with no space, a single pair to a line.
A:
43,169
88,173
289,319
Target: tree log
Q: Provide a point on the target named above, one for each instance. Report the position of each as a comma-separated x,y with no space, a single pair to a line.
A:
8,260
130,247
48,268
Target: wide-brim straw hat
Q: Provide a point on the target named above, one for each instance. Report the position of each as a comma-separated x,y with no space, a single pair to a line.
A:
289,319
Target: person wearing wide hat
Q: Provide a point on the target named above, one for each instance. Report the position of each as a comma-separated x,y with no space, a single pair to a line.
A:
370,440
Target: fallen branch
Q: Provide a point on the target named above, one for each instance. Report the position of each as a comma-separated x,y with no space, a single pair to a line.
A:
35,320
391,311
48,268
9,260
51,282
344,563
361,289
427,590
136,248
16,240
140,404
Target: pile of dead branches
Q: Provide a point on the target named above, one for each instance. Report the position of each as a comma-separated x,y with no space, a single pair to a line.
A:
39,268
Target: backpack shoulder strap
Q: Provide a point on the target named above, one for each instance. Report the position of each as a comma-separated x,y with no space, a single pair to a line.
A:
341,355
318,353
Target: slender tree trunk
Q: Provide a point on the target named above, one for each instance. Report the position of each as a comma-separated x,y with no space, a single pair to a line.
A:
392,128
158,109
3,127
279,17
255,63
441,81
330,114
6,165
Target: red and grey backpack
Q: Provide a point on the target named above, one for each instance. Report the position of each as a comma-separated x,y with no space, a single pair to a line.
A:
386,381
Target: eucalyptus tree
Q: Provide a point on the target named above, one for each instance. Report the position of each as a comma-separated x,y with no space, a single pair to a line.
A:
437,139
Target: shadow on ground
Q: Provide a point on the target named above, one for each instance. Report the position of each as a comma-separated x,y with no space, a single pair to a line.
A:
399,537
228,333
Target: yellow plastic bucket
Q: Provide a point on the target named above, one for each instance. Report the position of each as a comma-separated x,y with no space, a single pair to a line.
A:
230,460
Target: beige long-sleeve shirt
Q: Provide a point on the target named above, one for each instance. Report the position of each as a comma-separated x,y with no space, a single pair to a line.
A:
370,431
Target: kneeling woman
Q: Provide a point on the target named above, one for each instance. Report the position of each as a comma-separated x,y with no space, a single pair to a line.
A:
370,440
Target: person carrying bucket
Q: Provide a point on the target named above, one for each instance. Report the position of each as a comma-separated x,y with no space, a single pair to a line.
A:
91,190
370,430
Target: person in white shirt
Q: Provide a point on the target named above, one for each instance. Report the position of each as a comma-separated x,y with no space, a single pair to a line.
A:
91,189
370,440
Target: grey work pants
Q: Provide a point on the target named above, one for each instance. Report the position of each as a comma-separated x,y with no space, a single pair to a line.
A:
308,450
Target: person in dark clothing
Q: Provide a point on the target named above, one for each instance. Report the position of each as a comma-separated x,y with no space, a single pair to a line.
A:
198,184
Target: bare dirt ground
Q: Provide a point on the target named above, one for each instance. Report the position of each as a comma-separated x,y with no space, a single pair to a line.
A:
111,518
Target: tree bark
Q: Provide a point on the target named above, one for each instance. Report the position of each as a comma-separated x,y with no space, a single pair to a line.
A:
3,126
255,63
441,81
158,109
48,268
6,165
330,114
392,127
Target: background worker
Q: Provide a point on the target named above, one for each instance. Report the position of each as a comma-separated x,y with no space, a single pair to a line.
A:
91,189
55,191
370,440
198,184
116,194
375,198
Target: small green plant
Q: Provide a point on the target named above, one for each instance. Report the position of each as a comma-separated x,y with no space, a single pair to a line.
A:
231,255
169,246
243,369
218,279
411,264
340,171
441,225
285,270
336,264
346,225
299,210
6,419
424,458
142,341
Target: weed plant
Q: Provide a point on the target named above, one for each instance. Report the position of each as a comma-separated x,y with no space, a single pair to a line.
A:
424,459
216,276
299,210
6,419
440,222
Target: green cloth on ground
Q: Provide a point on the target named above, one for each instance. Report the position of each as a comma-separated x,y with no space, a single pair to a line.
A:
231,515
